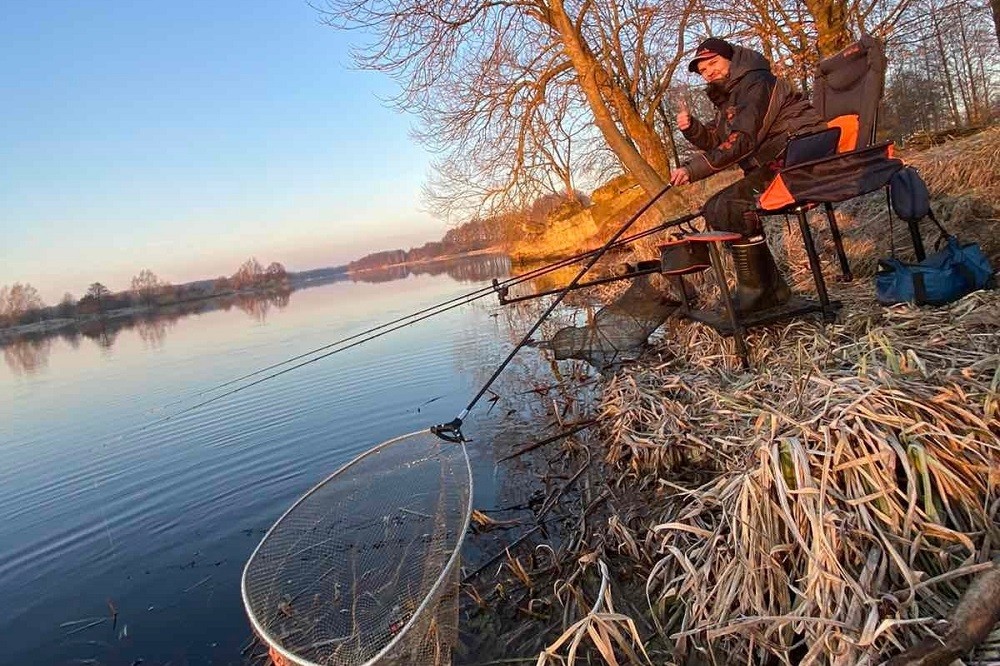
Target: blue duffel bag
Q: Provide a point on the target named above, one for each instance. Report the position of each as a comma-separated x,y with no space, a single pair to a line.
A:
945,276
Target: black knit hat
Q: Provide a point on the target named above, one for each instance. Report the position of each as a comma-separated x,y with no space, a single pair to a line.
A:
713,46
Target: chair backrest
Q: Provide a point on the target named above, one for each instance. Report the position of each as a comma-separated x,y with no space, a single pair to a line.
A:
848,90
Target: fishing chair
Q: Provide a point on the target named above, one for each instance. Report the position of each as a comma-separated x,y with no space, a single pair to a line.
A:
821,168
848,89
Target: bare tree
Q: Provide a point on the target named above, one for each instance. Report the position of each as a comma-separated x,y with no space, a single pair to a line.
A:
18,300
249,274
488,79
147,286
275,274
99,294
67,306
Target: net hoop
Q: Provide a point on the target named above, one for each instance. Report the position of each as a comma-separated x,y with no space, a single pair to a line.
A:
273,642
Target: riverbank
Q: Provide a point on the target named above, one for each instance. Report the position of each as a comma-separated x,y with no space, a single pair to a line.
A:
829,506
123,317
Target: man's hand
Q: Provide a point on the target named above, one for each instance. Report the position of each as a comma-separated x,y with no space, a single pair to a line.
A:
679,177
683,116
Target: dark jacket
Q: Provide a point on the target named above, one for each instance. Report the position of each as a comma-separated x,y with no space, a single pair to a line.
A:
756,113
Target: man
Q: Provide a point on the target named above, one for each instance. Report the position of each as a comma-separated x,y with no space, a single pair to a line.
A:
755,115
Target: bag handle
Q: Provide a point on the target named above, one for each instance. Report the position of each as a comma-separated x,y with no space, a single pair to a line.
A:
945,234
919,288
892,233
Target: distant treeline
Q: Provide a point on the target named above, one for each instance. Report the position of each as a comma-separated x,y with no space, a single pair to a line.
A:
20,304
495,232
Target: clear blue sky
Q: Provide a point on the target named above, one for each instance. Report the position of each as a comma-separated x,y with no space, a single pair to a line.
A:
185,136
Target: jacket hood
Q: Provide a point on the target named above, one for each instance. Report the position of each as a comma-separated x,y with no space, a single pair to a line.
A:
744,61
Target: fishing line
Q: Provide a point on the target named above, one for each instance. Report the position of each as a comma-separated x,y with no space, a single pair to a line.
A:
452,431
377,334
444,306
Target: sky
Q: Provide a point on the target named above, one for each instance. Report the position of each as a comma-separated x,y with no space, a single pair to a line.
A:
186,136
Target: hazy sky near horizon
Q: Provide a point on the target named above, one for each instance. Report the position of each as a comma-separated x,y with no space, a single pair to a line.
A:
186,136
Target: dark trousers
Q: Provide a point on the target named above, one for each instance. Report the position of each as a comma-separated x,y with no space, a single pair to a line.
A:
732,209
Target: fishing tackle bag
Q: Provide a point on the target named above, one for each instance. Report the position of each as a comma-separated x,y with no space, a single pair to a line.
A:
945,276
953,271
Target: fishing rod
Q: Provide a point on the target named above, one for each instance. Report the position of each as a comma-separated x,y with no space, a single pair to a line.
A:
452,431
265,378
499,287
648,267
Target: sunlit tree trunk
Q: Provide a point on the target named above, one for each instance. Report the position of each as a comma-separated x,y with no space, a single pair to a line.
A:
594,83
831,19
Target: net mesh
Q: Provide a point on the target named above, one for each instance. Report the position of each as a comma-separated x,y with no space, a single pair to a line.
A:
364,569
618,330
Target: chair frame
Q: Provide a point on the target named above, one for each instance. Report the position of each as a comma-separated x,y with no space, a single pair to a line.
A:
732,323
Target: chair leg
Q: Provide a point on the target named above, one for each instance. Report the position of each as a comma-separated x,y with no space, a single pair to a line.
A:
838,242
681,286
739,335
807,239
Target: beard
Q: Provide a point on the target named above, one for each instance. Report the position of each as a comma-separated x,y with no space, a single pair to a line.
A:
717,91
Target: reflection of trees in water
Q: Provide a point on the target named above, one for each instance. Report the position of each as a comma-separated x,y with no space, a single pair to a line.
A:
102,332
27,355
258,305
464,269
151,327
476,269
71,335
153,330
376,275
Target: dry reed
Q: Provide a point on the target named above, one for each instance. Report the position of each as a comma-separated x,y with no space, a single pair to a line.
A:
830,506
827,508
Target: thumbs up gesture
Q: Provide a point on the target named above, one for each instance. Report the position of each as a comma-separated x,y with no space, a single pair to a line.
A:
683,116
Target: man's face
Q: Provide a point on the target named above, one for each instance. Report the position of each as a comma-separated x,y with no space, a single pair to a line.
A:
713,69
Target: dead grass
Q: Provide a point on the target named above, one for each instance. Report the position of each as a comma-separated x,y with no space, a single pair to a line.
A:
847,488
829,507
852,481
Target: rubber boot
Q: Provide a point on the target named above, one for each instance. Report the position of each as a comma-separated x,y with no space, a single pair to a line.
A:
759,285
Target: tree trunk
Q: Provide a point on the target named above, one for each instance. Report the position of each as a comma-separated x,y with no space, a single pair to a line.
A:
973,113
963,93
929,72
833,32
616,101
949,88
995,6
593,82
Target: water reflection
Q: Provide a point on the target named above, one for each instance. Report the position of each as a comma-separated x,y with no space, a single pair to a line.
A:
463,269
161,521
257,306
27,356
153,330
104,331
27,353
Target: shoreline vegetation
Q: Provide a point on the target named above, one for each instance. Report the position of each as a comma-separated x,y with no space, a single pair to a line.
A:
168,302
837,504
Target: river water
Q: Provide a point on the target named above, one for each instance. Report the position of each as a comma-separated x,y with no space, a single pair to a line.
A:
123,532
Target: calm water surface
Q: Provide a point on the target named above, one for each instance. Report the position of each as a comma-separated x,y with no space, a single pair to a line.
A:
106,507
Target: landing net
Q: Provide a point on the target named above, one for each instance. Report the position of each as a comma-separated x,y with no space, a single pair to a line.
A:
364,569
619,330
